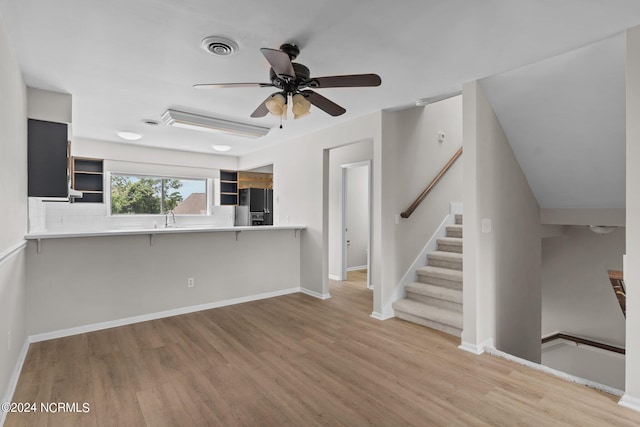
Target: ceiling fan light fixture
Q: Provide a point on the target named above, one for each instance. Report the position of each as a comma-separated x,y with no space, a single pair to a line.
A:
277,105
300,106
199,122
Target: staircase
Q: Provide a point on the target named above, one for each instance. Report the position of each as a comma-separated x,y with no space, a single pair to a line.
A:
435,300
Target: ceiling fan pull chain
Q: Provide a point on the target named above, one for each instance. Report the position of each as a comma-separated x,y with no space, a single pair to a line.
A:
280,122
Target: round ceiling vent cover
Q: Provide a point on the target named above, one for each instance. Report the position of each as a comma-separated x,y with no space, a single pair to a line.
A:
219,46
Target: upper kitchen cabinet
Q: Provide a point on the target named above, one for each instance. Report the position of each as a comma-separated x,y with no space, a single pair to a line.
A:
87,177
228,187
48,159
48,165
255,180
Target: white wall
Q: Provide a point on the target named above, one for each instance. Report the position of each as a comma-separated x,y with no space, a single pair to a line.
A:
82,147
13,214
406,156
81,281
608,217
577,297
600,366
413,158
502,294
632,260
301,192
352,153
49,106
357,216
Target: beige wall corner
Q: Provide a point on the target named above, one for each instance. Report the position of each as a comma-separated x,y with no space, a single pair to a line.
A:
49,106
632,260
504,254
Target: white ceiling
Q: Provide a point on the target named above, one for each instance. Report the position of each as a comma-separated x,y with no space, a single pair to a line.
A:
565,119
125,61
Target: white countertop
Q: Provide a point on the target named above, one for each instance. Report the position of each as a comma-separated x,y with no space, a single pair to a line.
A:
154,231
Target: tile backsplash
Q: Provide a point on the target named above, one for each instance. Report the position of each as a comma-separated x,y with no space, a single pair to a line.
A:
61,216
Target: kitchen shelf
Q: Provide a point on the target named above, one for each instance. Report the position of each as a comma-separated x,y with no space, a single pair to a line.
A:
88,178
228,187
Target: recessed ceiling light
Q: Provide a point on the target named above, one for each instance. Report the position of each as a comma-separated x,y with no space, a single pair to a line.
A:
221,147
129,136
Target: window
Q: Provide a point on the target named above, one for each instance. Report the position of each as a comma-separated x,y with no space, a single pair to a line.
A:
137,194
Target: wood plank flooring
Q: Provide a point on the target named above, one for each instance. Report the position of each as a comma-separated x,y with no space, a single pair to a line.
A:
295,361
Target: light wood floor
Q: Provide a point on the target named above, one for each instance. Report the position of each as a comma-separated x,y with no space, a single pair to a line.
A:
295,361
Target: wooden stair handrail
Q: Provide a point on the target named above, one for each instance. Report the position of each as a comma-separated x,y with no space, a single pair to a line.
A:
617,282
416,203
584,341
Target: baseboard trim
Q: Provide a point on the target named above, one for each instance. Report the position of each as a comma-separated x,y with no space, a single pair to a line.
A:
630,402
13,382
360,267
158,315
336,278
315,294
476,348
382,316
563,375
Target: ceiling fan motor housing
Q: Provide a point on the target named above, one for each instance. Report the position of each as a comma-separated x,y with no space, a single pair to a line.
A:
302,75
290,49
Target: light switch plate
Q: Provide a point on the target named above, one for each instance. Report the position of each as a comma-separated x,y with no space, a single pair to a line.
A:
485,223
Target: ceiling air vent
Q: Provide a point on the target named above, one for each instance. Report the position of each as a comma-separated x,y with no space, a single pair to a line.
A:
219,46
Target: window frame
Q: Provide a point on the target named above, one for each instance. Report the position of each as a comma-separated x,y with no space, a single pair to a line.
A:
107,194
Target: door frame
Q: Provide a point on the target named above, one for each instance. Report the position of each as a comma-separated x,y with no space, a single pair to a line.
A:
343,217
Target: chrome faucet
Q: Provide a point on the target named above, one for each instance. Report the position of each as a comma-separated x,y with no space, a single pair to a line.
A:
166,219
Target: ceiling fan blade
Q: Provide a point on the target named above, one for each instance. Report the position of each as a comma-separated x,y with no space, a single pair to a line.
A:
352,80
262,110
323,103
279,61
228,85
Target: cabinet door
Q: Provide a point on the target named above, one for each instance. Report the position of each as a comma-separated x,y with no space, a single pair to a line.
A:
47,159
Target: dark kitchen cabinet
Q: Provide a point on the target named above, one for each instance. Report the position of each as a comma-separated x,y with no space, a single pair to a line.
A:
48,159
228,187
88,178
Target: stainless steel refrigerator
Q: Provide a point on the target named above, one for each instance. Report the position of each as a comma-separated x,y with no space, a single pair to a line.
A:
260,204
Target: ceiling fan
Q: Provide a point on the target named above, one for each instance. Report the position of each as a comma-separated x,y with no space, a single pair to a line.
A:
293,82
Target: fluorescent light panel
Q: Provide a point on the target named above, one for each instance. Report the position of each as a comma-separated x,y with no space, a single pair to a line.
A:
185,120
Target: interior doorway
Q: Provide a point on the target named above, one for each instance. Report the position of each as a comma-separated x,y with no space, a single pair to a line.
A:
355,220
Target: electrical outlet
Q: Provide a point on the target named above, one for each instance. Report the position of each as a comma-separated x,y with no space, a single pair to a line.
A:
9,340
191,282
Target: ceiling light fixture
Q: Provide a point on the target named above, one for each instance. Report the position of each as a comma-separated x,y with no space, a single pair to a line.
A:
277,105
300,107
601,229
129,135
185,120
221,148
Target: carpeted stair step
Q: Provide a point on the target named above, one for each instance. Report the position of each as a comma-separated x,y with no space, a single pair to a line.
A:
450,244
450,260
454,230
440,276
444,320
437,296
458,218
